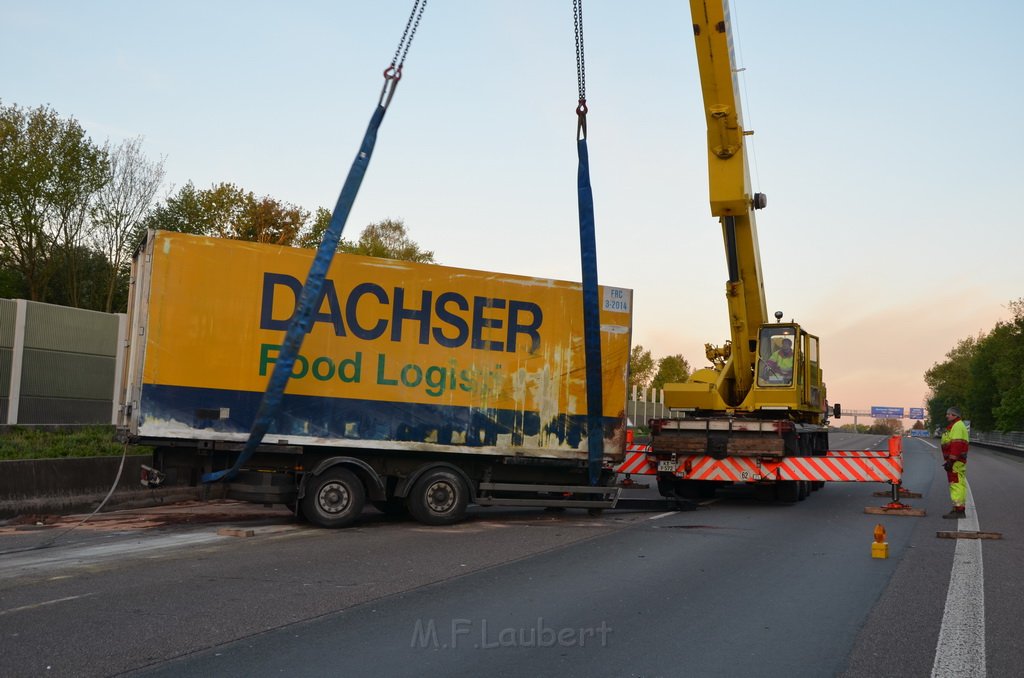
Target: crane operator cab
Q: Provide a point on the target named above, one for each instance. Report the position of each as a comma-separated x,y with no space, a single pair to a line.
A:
776,356
789,370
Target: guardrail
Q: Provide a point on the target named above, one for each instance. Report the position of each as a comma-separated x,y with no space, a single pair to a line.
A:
1014,440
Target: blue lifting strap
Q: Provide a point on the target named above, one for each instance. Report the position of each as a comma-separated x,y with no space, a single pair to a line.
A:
311,296
591,315
309,300
588,260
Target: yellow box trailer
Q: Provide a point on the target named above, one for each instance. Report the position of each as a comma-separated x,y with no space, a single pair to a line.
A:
416,382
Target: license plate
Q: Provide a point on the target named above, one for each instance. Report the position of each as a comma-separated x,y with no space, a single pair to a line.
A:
669,466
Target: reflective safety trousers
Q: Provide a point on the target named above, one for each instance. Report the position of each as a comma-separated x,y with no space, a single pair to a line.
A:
958,483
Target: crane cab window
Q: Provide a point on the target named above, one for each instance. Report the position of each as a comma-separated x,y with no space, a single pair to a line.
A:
776,355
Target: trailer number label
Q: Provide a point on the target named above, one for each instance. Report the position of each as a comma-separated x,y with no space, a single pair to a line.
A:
616,299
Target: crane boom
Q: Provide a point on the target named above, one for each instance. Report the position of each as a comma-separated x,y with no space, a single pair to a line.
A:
764,394
732,199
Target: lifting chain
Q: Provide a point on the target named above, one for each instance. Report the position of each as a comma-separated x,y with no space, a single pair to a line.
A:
393,73
581,70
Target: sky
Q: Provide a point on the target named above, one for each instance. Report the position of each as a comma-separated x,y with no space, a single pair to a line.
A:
887,138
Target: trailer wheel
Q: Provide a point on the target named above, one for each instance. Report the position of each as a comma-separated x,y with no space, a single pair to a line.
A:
335,498
438,498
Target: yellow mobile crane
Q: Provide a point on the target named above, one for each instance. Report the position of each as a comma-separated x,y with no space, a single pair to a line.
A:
763,396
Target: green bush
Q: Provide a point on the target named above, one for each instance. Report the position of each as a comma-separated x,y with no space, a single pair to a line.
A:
23,442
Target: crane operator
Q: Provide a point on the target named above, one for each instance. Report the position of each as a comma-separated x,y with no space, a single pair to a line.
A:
779,366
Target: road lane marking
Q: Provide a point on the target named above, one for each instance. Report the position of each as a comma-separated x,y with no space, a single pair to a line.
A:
44,604
662,515
75,556
961,647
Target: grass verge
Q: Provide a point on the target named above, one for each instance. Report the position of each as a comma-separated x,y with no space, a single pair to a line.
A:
26,442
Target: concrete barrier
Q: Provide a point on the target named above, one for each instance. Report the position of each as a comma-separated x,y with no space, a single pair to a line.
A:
61,486
31,478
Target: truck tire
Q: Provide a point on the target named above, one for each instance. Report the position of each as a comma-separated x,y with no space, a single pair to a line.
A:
335,498
787,491
764,492
438,498
674,488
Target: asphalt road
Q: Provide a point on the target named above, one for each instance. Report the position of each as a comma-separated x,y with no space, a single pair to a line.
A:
735,588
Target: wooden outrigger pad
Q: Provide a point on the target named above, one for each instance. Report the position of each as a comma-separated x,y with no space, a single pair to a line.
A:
967,534
898,510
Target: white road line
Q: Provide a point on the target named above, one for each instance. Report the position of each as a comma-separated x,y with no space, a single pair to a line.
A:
662,515
78,555
961,647
44,604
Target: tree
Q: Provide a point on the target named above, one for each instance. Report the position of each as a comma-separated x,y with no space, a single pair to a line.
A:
227,211
120,208
996,396
183,212
92,291
984,376
1009,373
886,427
49,171
12,285
950,380
641,368
387,239
311,237
269,221
672,369
983,395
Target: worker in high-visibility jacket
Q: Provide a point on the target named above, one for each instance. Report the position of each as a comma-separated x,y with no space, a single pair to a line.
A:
779,367
955,441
